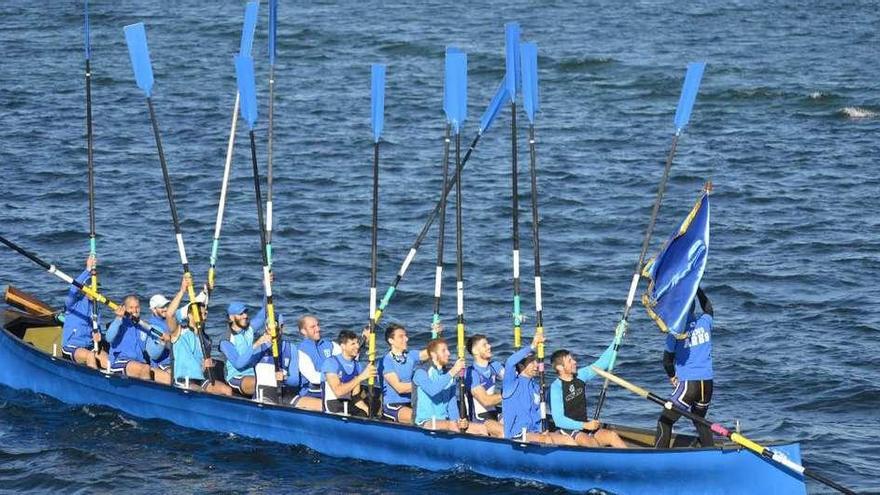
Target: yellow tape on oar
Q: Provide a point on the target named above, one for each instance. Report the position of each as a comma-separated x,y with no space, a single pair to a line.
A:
540,330
371,353
272,328
195,314
460,329
517,337
745,442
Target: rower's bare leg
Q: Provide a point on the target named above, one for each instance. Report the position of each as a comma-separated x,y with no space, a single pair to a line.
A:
441,425
585,440
161,376
309,404
477,429
248,386
218,388
557,438
134,369
494,428
609,438
404,415
103,360
86,356
363,407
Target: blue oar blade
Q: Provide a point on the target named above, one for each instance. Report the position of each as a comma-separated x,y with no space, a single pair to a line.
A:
88,45
529,53
456,88
136,38
446,109
378,100
688,95
273,26
247,31
494,106
247,89
511,51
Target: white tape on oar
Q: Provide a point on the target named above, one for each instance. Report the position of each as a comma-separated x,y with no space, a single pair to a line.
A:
267,283
372,302
58,273
539,304
516,263
268,216
459,289
181,249
409,258
783,459
438,281
632,290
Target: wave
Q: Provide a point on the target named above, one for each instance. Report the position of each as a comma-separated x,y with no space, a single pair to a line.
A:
578,64
857,113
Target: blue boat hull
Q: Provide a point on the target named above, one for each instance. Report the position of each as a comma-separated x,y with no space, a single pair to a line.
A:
621,471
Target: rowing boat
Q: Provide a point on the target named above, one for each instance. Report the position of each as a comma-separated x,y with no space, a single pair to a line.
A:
27,363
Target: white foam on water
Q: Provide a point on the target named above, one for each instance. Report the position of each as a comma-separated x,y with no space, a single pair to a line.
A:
857,113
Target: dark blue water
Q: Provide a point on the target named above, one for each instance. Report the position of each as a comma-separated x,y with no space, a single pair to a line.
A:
785,126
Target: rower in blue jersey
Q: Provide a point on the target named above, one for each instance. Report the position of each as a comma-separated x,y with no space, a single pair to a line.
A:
77,340
396,371
436,401
342,392
157,349
289,375
246,344
190,362
313,351
568,401
521,399
482,384
688,363
127,340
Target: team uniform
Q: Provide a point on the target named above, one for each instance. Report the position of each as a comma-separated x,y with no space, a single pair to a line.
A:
311,357
346,370
488,377
241,357
160,355
77,329
435,395
188,358
520,399
127,341
568,399
403,366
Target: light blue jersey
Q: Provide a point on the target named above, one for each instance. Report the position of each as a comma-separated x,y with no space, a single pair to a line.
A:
403,367
188,357
436,397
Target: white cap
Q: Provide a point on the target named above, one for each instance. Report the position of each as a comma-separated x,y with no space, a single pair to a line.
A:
202,298
158,301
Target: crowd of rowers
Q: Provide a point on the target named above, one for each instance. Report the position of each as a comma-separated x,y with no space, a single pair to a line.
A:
417,387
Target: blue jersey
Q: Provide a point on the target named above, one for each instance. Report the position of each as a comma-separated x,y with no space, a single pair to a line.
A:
241,355
435,395
403,366
188,356
311,361
521,398
346,370
693,354
160,356
574,396
290,364
126,341
77,329
487,377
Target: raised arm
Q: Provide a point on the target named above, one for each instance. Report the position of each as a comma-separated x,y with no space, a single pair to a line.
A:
603,363
705,303
171,312
74,294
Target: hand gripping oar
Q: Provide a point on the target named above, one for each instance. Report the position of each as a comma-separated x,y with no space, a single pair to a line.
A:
136,38
244,72
511,51
273,25
90,153
765,452
456,92
247,42
377,106
85,289
485,122
682,115
529,55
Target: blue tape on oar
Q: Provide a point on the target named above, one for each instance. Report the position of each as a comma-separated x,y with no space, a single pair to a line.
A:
273,27
247,88
136,38
456,89
529,54
688,95
88,45
494,106
250,25
446,109
511,51
377,100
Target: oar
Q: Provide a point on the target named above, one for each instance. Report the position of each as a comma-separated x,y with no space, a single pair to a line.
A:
377,103
85,289
441,228
682,116
511,51
273,25
90,153
136,38
485,122
247,88
247,42
767,453
456,91
529,54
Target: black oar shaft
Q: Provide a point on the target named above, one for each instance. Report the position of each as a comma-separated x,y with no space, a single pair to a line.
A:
269,172
514,159
459,276
536,241
441,235
90,159
374,267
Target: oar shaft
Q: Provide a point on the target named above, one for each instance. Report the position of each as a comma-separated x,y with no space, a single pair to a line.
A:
517,309
224,186
90,154
374,266
269,166
441,236
536,241
459,276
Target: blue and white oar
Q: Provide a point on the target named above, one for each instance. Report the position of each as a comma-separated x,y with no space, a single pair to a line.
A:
90,153
511,80
377,104
273,27
247,42
682,116
247,89
136,38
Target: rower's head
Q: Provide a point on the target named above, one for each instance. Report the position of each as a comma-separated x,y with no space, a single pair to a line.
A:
238,316
528,367
348,343
396,337
563,362
438,352
310,327
159,305
479,347
132,305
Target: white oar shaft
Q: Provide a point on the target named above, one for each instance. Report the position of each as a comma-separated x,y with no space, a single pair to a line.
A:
230,146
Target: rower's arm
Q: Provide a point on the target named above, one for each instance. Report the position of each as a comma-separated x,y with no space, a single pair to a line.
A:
171,315
485,398
239,361
705,303
307,368
432,387
74,294
333,381
401,388
113,331
669,356
557,409
423,354
510,364
258,322
155,348
603,363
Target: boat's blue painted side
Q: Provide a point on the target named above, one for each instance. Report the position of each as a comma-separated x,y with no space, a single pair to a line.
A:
621,471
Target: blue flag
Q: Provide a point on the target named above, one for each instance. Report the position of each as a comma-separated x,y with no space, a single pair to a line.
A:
675,274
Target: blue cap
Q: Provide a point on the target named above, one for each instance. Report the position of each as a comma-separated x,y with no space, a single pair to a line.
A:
236,308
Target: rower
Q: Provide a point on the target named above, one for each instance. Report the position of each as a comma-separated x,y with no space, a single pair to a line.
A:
77,340
436,404
396,370
127,340
568,401
481,378
189,359
341,391
160,355
313,351
521,399
245,346
688,363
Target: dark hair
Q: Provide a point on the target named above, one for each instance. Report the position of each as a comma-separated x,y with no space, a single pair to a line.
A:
434,345
557,357
130,296
472,341
525,362
389,332
345,336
